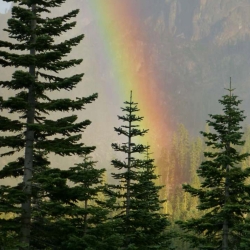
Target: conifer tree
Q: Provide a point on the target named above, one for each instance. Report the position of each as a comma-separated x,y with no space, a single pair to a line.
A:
35,135
151,225
223,194
81,220
142,224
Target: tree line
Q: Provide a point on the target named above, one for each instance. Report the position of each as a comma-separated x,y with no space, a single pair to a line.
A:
74,208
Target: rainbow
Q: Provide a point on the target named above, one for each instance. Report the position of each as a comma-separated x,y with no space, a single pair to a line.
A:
128,59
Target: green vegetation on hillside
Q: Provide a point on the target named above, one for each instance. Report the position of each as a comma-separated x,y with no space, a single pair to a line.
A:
204,202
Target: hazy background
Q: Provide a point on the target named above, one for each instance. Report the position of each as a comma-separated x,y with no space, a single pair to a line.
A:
193,47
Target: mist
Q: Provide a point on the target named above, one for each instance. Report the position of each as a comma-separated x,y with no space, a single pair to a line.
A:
190,49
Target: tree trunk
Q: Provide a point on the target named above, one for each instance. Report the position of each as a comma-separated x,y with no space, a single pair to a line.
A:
128,176
85,218
29,142
225,222
225,230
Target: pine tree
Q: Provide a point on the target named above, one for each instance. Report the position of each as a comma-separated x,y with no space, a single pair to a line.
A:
166,176
151,225
35,135
223,195
142,224
195,161
97,230
81,221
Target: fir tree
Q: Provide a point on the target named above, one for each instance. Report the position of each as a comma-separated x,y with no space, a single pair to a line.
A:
92,223
151,225
223,194
142,224
35,134
81,220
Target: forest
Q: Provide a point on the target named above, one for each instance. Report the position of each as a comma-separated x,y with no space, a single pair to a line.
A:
198,199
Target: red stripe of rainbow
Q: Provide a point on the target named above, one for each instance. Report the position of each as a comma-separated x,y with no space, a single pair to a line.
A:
127,60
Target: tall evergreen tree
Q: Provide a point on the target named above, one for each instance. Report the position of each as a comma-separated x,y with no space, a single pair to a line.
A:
151,225
139,207
81,220
223,195
35,134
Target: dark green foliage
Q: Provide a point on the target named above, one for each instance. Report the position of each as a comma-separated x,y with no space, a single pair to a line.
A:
138,206
73,217
49,204
146,218
223,194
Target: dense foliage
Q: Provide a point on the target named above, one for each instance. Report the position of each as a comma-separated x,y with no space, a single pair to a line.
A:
73,208
223,194
139,205
43,196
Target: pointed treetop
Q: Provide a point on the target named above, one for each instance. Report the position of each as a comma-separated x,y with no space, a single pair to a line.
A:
147,153
131,99
230,88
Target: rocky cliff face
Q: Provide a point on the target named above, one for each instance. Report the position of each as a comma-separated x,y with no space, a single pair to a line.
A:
199,45
220,21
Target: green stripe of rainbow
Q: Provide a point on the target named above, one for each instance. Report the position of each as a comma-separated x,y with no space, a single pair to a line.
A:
125,59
